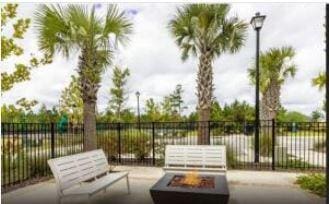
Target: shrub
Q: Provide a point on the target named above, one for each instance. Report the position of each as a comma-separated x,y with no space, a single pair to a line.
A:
109,144
141,145
315,183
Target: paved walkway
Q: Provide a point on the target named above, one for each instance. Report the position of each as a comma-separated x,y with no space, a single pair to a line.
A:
246,187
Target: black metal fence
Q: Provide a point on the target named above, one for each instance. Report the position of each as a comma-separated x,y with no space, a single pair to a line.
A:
26,147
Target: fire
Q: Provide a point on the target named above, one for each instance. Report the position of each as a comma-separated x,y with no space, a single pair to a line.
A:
192,179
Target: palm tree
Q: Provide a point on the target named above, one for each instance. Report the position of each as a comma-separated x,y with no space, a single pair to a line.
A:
205,31
76,28
275,67
319,81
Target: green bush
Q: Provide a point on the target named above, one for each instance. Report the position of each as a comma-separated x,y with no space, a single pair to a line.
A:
141,145
109,144
315,183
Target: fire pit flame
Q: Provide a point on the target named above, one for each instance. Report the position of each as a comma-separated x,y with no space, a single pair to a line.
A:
192,179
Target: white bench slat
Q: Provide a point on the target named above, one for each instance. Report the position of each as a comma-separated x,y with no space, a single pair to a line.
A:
71,173
195,157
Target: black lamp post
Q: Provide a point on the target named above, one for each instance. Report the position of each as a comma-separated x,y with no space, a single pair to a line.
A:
257,23
138,112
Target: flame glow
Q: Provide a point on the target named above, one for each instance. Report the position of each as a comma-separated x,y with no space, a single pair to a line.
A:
192,179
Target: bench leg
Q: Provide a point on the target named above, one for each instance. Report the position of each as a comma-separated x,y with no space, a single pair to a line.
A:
128,186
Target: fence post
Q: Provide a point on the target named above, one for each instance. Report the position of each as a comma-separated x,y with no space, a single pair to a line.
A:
153,145
273,144
52,135
119,142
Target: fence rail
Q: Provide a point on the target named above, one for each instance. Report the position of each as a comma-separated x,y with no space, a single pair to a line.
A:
26,147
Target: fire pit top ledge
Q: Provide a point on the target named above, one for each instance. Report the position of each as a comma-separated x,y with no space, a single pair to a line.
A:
220,185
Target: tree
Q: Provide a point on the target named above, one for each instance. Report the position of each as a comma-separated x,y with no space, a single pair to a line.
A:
26,104
216,111
74,28
293,116
238,111
319,81
118,94
71,101
10,48
316,116
152,110
205,31
275,67
176,99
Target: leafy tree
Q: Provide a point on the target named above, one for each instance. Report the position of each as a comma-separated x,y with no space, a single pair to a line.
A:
316,116
167,110
117,92
293,116
128,116
216,111
74,28
10,48
275,67
205,31
26,104
193,116
11,114
152,111
238,111
176,99
319,81
71,102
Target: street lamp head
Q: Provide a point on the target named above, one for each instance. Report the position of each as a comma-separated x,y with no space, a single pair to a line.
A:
257,21
138,94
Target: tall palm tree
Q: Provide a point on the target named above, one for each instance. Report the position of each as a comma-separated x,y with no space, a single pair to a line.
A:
319,81
205,31
275,67
76,28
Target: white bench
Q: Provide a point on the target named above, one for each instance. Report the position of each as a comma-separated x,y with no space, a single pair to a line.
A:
203,158
83,174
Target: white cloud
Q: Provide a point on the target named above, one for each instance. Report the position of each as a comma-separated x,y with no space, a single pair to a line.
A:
155,64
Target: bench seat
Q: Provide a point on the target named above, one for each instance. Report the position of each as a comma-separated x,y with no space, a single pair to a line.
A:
93,187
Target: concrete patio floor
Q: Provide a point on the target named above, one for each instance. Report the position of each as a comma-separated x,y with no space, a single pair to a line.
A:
246,187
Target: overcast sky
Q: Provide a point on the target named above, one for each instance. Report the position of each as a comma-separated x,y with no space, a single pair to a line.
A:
156,67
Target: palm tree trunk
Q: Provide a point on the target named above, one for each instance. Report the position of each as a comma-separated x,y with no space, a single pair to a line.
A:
205,89
89,89
89,120
269,107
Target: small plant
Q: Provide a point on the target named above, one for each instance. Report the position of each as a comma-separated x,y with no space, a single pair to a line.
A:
315,183
141,146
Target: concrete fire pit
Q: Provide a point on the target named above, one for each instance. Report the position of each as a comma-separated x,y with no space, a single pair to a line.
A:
164,192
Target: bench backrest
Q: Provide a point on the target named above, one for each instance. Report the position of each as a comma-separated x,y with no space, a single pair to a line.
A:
71,170
196,156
